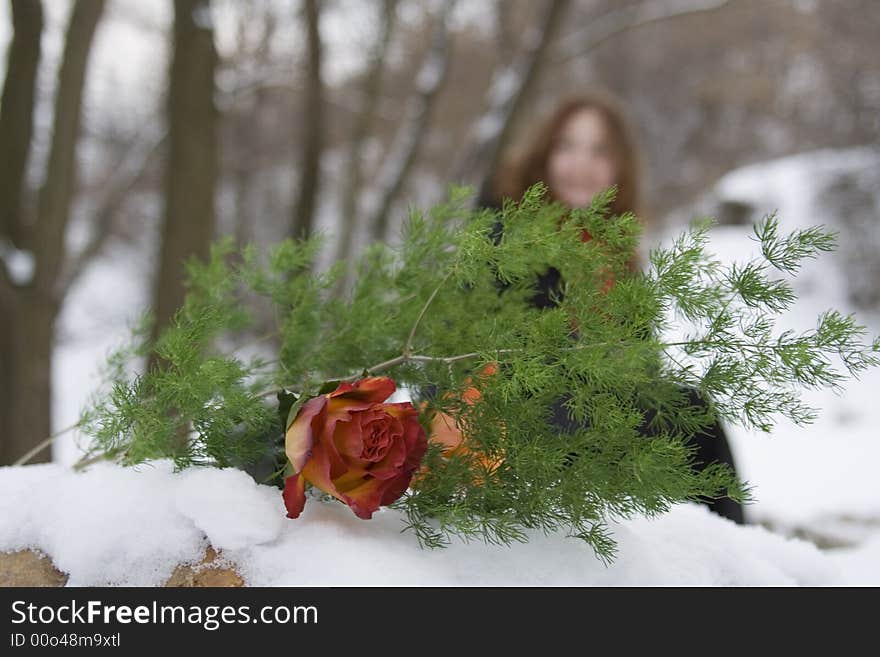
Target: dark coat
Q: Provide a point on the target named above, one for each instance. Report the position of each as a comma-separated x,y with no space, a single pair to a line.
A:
712,445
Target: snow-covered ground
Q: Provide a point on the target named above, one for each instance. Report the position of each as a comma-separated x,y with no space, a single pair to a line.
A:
818,480
133,526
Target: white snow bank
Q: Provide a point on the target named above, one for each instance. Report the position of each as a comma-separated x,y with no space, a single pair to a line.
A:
860,565
111,525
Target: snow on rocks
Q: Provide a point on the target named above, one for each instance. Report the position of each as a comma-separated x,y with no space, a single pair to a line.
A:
135,526
107,526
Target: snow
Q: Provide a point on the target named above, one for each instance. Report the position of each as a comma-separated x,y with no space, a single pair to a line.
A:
201,16
504,86
111,525
488,127
431,73
861,564
217,505
20,265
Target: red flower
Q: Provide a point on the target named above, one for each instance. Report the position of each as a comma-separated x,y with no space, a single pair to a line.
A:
350,444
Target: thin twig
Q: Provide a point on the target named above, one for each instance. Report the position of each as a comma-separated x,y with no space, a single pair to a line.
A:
43,445
404,358
86,461
407,349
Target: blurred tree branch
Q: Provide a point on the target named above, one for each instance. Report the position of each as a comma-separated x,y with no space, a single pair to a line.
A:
58,187
371,91
505,97
617,21
242,109
128,172
310,163
411,134
503,30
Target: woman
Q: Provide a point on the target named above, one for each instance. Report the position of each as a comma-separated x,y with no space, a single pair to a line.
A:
584,147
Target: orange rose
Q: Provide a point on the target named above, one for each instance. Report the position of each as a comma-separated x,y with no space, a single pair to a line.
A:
446,431
350,444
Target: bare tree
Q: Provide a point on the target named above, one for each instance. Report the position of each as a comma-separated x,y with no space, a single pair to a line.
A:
310,164
127,173
405,147
16,128
32,304
617,21
506,97
17,114
245,155
191,168
371,92
504,32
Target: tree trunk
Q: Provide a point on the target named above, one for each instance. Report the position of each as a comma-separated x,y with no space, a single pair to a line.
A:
17,114
405,147
310,163
371,91
56,193
31,395
35,303
16,129
506,97
10,448
191,170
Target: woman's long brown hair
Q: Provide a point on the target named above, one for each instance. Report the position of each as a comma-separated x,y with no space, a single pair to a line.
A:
531,166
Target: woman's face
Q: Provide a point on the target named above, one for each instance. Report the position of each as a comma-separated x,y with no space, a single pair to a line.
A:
581,163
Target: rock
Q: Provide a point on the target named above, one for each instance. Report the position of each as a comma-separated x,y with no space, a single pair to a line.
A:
32,568
29,568
203,574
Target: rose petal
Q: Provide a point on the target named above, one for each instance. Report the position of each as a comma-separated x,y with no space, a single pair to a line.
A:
350,480
366,498
348,435
317,472
373,389
380,436
413,447
342,408
401,410
302,432
396,488
338,464
394,460
294,495
417,445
